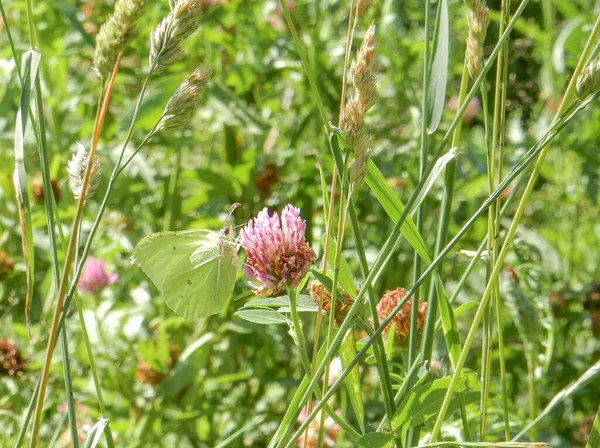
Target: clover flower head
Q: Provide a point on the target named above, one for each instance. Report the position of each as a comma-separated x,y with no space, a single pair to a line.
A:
95,277
277,253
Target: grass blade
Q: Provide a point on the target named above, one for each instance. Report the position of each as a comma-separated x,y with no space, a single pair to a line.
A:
439,69
30,64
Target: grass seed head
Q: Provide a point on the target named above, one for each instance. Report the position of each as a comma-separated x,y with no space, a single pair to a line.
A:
115,33
184,102
588,81
76,168
166,38
478,25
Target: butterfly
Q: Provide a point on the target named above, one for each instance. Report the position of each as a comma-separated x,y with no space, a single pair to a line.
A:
195,270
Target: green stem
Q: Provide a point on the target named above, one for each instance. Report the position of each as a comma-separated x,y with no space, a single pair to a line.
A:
309,73
565,104
388,247
300,339
382,364
297,328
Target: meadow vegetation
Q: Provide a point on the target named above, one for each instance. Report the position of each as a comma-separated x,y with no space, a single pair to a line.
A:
229,223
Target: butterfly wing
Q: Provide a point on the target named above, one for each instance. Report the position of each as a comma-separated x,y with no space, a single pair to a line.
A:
195,270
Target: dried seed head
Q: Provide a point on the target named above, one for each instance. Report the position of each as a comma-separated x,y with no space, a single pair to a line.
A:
472,4
364,76
76,169
184,102
352,115
165,39
319,293
362,153
11,361
402,319
362,7
39,192
115,33
588,80
352,122
478,25
7,265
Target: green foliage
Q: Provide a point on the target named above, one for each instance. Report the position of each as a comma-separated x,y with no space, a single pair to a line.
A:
233,376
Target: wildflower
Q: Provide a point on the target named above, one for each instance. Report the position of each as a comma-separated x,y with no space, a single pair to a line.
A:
277,253
588,80
184,101
332,430
316,289
76,169
11,362
7,265
115,33
364,79
165,39
95,277
388,302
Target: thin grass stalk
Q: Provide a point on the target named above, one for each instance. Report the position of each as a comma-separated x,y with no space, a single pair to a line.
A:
442,237
328,129
391,242
300,338
412,435
343,206
171,189
50,217
49,207
328,207
88,348
378,266
500,101
487,343
68,261
309,73
564,106
379,350
412,343
353,13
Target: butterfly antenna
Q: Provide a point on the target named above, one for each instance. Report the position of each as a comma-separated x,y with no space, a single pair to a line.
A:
231,210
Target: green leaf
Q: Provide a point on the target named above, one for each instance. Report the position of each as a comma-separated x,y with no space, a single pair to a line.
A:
346,278
423,401
374,440
352,381
439,69
394,208
304,301
438,168
190,363
29,68
263,316
95,434
594,438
